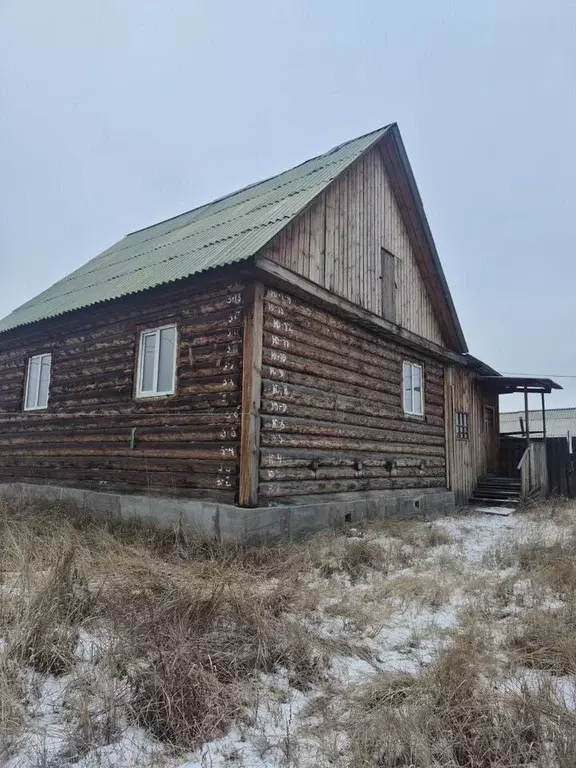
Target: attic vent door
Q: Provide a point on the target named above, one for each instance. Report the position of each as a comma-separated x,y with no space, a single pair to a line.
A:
388,285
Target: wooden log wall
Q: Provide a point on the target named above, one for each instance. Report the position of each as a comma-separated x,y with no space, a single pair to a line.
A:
337,244
470,459
332,419
186,444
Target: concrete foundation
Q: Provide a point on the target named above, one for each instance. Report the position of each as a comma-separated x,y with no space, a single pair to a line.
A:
226,522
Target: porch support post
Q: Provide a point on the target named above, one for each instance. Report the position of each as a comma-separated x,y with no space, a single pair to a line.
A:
526,417
528,457
544,478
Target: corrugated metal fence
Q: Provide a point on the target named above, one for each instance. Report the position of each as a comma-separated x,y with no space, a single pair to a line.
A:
561,467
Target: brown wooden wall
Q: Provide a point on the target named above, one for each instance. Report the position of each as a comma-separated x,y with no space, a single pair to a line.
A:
337,244
469,459
332,418
186,444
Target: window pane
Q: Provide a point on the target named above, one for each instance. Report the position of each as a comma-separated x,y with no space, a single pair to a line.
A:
148,352
167,360
417,389
32,387
45,365
417,400
407,387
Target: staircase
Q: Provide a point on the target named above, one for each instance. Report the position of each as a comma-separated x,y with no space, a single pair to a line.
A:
497,491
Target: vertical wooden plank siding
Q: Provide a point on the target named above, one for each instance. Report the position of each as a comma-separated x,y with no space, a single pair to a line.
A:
337,244
251,391
468,459
186,444
332,417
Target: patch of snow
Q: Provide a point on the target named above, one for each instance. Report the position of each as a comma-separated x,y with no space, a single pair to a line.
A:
46,731
476,535
133,749
397,634
523,594
92,645
270,739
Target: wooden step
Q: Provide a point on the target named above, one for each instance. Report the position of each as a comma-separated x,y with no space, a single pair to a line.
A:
495,494
498,488
499,481
493,502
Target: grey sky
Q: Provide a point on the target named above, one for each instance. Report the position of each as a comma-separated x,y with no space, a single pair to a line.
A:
118,113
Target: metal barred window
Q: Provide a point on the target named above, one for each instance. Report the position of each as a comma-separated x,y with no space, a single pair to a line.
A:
462,430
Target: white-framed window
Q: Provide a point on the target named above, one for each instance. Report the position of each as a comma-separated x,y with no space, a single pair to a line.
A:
37,382
462,427
157,362
413,398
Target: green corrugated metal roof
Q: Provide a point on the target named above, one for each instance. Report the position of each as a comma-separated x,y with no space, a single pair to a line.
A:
225,231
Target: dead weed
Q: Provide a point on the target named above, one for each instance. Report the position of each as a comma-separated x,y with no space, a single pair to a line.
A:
451,715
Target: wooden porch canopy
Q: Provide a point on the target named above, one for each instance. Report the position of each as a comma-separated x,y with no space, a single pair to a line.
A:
505,385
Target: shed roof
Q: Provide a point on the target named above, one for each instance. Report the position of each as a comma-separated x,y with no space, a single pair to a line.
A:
504,385
228,230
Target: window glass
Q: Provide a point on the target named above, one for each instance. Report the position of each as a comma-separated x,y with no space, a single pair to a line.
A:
407,387
412,386
462,430
37,382
166,360
417,389
44,384
148,357
157,362
33,377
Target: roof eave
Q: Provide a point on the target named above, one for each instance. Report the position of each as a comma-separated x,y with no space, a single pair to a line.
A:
458,333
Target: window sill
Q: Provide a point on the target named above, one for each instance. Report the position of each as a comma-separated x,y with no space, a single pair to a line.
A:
414,417
153,395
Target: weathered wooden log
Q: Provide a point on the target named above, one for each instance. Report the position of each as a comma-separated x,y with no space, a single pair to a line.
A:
333,443
294,457
287,425
305,488
359,412
284,474
293,307
84,437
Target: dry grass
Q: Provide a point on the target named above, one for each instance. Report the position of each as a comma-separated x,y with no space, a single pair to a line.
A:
183,629
360,555
418,535
419,589
193,622
552,565
546,639
452,716
47,623
11,706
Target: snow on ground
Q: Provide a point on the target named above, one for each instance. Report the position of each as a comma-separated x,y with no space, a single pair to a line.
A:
407,640
399,627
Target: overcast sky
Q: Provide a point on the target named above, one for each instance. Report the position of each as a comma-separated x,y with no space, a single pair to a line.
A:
118,113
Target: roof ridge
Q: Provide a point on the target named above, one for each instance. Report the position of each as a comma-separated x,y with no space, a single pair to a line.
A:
228,220
257,183
222,232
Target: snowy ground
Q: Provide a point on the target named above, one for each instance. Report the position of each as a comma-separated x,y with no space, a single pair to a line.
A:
397,616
